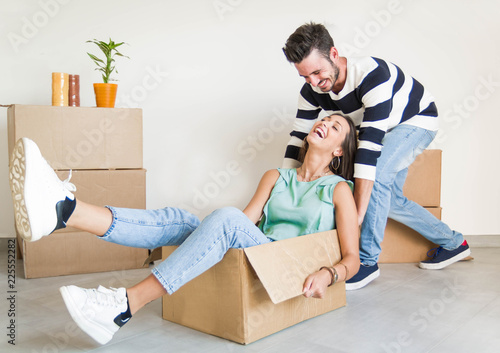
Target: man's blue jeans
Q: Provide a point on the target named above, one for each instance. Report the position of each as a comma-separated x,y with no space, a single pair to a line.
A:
201,245
401,146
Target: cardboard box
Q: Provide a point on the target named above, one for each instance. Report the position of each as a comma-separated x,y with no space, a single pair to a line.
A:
402,244
423,183
75,253
257,291
69,251
80,137
120,188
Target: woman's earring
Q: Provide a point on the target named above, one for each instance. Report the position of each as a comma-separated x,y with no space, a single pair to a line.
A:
337,166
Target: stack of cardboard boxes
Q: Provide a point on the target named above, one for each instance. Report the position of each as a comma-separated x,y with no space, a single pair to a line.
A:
423,186
103,148
257,291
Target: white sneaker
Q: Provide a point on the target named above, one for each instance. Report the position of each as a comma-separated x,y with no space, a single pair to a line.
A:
42,202
98,312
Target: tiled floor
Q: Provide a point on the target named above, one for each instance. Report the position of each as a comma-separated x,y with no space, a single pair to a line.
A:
405,310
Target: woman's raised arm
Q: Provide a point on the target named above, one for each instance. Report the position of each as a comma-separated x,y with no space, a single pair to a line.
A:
259,199
346,218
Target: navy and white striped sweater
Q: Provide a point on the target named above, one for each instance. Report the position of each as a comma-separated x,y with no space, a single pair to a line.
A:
377,96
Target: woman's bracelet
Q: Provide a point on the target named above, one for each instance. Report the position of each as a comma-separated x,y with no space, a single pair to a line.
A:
346,271
333,273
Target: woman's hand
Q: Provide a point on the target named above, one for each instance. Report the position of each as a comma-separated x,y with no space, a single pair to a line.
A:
316,284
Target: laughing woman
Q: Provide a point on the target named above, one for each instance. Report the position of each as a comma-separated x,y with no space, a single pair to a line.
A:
288,203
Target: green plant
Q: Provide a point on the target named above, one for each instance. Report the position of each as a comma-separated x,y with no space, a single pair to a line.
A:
109,50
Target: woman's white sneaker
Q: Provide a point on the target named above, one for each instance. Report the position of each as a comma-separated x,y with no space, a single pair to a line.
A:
98,312
42,202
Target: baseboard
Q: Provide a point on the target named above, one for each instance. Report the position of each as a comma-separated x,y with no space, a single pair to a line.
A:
483,241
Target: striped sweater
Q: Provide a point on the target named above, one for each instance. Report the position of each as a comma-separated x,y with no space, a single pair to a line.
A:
377,96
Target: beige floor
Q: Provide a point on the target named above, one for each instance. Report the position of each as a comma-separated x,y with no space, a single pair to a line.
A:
405,310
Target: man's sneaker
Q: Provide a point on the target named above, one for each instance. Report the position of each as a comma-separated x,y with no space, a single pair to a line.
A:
440,258
365,275
42,202
98,312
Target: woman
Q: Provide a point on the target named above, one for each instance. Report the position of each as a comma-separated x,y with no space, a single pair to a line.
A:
288,203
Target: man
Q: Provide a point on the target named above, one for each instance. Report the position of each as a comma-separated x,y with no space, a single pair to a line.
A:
397,120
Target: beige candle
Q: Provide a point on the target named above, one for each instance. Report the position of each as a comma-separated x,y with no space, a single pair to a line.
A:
60,88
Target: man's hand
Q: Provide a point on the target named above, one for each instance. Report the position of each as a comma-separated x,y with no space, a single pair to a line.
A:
316,284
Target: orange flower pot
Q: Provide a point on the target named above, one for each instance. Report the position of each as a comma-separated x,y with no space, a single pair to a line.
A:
105,94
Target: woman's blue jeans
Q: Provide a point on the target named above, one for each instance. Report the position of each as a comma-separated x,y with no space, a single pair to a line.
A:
201,245
401,146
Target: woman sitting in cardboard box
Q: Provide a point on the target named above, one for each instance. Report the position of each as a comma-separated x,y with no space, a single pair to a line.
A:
288,202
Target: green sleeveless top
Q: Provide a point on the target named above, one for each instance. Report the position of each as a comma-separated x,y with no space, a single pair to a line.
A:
297,208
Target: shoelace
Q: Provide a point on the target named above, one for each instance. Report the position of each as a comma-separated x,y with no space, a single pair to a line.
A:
104,296
67,185
434,252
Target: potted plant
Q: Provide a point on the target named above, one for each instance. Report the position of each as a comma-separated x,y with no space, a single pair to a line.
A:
105,93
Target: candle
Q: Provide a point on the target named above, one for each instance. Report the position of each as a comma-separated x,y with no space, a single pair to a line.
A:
74,91
60,88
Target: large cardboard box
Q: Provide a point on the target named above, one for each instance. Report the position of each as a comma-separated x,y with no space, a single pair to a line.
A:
423,183
257,291
75,253
402,244
80,137
120,188
68,251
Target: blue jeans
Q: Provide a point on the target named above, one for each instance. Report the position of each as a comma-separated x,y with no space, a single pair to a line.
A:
201,245
401,146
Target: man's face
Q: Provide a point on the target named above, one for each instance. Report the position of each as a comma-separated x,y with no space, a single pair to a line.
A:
318,71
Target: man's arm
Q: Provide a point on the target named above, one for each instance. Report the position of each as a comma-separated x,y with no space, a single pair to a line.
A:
362,192
377,97
307,112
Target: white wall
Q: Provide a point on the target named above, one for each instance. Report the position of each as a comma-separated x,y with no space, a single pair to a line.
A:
218,96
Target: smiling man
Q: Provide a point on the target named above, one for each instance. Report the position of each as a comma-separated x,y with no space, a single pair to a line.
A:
396,118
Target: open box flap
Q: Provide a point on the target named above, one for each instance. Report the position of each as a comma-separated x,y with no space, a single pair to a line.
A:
283,266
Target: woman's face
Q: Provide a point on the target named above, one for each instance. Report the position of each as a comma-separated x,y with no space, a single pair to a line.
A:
329,133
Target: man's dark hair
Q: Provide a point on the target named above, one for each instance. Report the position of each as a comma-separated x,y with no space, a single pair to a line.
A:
305,39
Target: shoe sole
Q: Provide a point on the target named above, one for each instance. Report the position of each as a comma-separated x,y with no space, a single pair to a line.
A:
443,264
362,283
17,179
97,332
